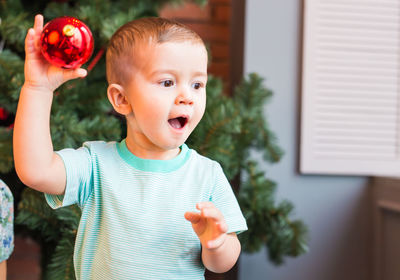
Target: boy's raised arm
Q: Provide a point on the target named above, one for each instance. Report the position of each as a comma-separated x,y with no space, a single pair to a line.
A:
35,161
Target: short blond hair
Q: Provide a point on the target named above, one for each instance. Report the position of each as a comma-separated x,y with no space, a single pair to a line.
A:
121,48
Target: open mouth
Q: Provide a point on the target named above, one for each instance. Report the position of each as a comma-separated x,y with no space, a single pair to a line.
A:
178,122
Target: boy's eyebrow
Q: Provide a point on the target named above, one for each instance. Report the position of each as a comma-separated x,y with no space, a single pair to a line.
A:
163,71
203,74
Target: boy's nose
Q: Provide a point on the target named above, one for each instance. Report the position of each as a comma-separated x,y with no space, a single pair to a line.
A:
184,97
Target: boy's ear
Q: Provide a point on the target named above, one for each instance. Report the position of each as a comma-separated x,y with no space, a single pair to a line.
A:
116,96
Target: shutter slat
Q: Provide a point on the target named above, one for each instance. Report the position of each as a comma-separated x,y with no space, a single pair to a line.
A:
350,89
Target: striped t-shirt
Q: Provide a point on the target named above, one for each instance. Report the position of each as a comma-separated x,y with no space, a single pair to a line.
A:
132,224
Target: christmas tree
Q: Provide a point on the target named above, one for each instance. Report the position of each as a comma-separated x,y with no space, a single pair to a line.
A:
232,127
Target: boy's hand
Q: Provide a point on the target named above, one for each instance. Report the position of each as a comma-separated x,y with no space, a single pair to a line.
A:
209,225
40,74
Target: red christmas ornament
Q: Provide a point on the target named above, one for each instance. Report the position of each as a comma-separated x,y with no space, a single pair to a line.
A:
6,119
3,114
66,42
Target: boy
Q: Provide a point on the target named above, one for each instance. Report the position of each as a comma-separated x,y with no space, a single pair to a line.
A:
136,194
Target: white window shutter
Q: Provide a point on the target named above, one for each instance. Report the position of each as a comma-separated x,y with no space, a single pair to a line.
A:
350,112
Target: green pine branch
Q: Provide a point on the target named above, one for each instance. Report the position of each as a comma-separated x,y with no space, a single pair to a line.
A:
269,224
35,214
56,227
62,265
6,156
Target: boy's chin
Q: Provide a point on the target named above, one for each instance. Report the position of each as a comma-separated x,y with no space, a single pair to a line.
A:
175,144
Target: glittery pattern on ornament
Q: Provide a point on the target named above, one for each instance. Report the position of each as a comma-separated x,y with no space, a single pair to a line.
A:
66,42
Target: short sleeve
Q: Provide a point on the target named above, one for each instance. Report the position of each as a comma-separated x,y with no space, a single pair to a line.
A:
6,222
78,168
225,200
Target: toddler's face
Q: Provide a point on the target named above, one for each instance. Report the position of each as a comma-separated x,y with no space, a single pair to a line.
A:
167,94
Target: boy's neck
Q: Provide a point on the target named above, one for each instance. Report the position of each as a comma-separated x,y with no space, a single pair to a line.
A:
150,153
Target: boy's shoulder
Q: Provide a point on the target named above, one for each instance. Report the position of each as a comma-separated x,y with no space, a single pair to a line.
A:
100,147
99,144
203,160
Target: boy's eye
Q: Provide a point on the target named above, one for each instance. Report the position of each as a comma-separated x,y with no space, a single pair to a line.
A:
167,83
197,85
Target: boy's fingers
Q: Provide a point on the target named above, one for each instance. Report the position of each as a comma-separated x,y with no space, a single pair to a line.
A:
212,213
204,204
32,39
69,74
192,217
80,72
30,47
29,41
223,227
38,25
216,243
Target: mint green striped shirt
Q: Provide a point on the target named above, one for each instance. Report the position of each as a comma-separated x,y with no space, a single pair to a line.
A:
132,224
